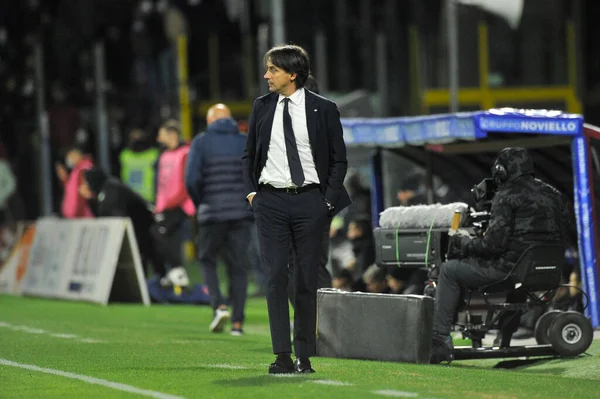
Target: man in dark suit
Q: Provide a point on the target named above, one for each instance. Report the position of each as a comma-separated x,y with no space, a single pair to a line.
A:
294,169
324,279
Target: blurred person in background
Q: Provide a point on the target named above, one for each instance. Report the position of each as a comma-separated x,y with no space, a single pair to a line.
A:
360,208
115,199
569,298
406,281
173,204
215,183
375,279
343,280
8,185
413,190
71,176
360,235
138,165
360,194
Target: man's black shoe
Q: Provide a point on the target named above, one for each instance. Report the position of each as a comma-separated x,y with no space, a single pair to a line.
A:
302,365
441,349
282,365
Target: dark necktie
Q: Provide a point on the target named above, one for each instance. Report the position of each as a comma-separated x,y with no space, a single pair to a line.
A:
291,148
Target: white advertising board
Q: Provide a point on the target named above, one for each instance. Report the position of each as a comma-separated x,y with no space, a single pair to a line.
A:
94,260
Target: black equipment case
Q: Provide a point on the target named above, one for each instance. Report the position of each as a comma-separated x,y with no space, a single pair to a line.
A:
358,325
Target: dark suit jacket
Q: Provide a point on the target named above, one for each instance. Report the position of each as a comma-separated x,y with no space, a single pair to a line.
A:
326,141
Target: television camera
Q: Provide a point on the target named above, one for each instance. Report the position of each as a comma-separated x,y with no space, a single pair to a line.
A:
483,193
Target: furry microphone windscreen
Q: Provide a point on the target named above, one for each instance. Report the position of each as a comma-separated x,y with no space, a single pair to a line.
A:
421,216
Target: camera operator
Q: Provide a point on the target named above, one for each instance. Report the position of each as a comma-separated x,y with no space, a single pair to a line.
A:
525,211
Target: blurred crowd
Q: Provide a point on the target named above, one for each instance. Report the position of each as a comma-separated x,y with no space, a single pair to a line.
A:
79,181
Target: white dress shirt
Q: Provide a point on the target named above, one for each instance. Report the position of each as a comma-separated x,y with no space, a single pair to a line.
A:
277,170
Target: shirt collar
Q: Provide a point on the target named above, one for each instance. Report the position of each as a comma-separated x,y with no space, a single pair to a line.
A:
295,98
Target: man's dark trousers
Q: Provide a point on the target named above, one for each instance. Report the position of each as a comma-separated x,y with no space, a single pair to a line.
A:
454,275
323,275
299,219
168,237
231,240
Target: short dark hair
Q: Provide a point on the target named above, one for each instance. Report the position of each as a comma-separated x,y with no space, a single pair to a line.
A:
375,273
413,182
292,59
363,223
172,126
343,274
311,84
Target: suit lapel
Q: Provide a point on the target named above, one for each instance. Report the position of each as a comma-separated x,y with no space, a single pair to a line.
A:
267,125
311,117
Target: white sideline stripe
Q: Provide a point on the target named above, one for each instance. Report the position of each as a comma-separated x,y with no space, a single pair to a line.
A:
398,394
28,329
91,380
334,383
55,335
90,340
226,366
67,336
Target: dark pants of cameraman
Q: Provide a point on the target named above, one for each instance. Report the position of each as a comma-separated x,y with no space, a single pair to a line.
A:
167,236
454,275
229,239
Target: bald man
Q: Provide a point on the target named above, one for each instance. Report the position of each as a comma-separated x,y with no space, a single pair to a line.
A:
216,112
215,183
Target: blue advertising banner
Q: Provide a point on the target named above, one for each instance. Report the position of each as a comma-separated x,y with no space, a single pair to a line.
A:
445,128
586,231
528,125
410,130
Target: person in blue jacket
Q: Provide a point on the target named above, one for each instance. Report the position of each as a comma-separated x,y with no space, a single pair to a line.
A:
215,183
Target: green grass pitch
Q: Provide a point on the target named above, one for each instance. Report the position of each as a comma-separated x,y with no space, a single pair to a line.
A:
168,350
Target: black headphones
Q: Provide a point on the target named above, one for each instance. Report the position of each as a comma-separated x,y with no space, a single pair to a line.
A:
499,173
